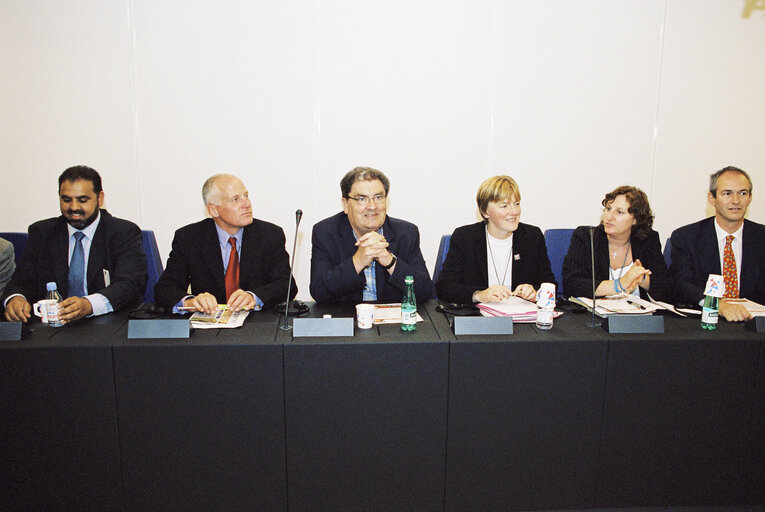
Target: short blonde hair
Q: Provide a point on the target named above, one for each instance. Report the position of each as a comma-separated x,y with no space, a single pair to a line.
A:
496,189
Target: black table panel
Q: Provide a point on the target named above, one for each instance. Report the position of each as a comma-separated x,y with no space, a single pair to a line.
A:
677,417
202,421
58,419
524,418
366,420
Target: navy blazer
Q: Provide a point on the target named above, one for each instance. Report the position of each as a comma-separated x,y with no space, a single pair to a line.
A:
696,254
195,259
465,269
116,247
577,265
334,277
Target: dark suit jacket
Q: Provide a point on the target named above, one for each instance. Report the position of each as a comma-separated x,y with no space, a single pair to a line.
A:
195,259
334,278
577,273
116,247
465,269
695,255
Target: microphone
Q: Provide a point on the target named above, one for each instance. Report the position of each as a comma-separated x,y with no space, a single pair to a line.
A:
294,308
592,266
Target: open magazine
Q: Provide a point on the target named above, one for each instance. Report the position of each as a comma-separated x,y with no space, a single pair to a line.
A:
223,318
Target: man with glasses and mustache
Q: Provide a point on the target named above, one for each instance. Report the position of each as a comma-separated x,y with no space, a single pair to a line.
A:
96,260
230,258
360,254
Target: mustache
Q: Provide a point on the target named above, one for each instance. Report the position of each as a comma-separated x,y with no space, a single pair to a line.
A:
75,212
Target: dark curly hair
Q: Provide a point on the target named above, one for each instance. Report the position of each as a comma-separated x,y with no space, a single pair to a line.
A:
639,208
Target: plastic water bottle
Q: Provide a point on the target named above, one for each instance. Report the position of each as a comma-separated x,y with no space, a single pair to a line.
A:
52,294
713,291
545,306
409,307
709,312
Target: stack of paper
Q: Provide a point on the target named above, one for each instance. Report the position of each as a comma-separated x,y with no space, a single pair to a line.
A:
618,304
521,311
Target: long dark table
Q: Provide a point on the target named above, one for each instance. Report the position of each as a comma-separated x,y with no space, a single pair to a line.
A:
254,419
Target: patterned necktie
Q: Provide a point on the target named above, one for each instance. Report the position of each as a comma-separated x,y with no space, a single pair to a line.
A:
729,270
232,271
77,268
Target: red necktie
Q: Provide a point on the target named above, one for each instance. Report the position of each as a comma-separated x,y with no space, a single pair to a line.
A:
729,270
232,271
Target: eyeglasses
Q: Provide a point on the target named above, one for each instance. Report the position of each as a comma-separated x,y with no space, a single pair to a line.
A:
364,200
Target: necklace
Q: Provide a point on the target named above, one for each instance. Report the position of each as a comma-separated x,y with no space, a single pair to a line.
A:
493,264
621,270
613,254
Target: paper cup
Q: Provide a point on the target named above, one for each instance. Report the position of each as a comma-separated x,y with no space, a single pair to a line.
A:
365,315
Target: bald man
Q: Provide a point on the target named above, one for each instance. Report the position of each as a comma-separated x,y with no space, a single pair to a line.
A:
230,258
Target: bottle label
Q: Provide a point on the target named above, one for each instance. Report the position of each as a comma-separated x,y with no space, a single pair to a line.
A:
409,317
709,316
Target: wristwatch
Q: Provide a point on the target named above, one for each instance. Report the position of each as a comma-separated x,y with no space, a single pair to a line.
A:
392,262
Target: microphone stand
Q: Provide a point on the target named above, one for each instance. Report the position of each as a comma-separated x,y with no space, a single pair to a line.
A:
285,327
593,323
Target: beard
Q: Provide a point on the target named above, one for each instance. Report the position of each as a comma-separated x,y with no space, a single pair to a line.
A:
80,223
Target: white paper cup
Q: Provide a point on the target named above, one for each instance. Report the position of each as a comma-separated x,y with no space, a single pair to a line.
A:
365,315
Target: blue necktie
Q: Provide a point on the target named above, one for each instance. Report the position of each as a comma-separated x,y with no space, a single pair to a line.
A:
77,268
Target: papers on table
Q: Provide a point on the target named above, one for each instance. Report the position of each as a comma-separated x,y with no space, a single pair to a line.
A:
521,310
224,318
390,314
619,304
753,308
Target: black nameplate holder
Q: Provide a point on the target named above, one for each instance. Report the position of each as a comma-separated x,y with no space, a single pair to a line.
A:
159,328
10,331
486,325
322,327
756,324
634,324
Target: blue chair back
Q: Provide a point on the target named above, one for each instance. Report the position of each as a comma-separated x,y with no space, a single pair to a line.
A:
153,263
443,249
668,252
557,241
19,241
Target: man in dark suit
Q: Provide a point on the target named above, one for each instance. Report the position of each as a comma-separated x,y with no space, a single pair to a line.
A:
96,260
361,254
230,258
726,244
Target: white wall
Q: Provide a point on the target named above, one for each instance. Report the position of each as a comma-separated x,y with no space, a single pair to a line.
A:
570,98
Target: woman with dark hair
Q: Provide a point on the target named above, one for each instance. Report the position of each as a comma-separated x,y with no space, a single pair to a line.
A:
627,250
491,260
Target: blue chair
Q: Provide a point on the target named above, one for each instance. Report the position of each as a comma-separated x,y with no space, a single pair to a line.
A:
668,252
19,241
443,249
557,241
153,263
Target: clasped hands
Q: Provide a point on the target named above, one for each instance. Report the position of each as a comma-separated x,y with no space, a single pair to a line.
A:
19,309
372,247
498,292
206,302
636,276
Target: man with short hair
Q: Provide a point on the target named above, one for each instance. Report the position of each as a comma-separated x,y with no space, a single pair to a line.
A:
96,260
726,244
230,258
361,254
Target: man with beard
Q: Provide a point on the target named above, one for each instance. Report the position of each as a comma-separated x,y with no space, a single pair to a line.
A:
230,258
96,260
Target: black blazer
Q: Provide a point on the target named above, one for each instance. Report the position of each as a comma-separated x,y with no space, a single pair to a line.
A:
334,278
577,274
696,254
195,259
116,247
465,269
